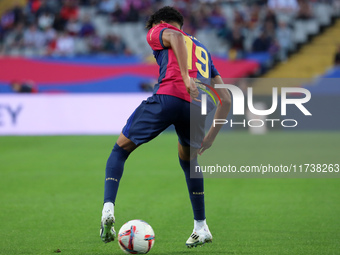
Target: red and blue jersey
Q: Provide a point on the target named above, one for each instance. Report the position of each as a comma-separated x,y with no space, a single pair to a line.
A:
170,81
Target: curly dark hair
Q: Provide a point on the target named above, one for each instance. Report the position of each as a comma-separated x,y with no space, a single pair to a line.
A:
167,14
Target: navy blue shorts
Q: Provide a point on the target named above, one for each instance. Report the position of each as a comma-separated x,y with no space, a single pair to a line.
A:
158,112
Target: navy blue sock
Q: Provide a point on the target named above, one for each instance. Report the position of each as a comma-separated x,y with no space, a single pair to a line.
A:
114,172
195,188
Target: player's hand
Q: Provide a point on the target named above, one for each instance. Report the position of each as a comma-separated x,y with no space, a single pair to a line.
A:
191,88
206,144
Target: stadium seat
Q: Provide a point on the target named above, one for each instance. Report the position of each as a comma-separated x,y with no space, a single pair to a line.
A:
101,24
211,41
323,13
83,11
81,46
312,26
300,32
285,17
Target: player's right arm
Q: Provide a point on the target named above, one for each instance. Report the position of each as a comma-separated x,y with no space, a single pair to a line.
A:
175,40
221,113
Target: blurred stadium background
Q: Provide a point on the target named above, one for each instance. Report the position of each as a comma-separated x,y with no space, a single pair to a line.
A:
282,39
80,67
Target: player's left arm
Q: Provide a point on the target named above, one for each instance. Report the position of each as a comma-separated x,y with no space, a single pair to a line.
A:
175,40
221,113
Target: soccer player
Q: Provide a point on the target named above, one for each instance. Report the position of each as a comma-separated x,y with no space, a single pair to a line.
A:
175,101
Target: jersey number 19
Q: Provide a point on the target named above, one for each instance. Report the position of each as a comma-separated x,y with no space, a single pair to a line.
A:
203,59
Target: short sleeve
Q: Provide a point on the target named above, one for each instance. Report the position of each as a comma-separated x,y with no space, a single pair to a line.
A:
214,71
154,37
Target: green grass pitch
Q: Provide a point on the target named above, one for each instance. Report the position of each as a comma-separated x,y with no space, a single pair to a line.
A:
51,191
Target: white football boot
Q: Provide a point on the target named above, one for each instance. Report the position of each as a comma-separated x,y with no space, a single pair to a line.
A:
199,237
107,230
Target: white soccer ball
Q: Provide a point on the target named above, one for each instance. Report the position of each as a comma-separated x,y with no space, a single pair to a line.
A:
136,237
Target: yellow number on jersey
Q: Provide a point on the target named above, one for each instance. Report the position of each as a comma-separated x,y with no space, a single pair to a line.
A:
189,44
198,52
204,60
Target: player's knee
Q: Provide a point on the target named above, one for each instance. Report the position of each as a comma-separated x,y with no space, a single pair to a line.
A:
183,152
184,156
125,143
186,153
